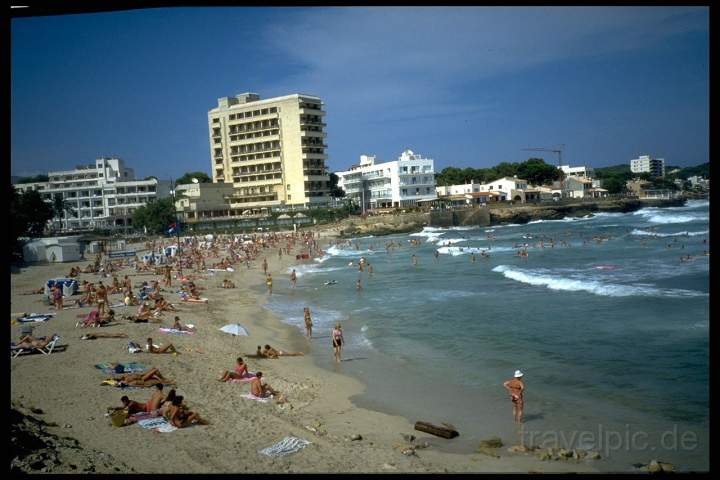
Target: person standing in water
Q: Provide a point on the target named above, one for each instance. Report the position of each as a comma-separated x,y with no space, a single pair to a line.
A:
268,282
308,323
337,341
516,389
264,265
437,254
414,260
358,285
293,278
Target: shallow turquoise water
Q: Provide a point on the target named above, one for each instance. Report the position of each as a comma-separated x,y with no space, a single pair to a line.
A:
613,333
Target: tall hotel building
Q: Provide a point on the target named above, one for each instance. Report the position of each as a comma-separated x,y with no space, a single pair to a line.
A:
272,151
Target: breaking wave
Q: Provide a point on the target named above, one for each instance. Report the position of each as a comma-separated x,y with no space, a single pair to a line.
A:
591,286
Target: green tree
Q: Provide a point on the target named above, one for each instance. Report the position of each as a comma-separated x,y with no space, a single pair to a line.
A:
29,215
537,172
335,191
36,178
156,216
187,178
614,185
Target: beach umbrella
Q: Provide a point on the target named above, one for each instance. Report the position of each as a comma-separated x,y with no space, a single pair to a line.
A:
235,329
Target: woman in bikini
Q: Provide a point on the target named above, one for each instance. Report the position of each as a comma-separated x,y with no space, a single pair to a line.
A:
241,371
337,341
308,322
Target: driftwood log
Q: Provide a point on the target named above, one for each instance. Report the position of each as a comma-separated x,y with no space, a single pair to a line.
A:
447,431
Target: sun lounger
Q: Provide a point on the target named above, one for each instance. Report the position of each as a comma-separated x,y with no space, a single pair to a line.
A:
16,350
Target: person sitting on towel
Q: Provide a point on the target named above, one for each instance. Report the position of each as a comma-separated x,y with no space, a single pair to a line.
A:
260,389
240,371
156,398
144,312
179,416
178,326
151,348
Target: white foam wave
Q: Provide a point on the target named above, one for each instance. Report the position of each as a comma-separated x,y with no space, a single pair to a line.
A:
591,286
429,232
657,215
455,251
339,252
466,227
676,234
301,270
451,241
490,231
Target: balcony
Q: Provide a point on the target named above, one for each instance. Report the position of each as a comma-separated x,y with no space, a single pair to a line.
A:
312,133
314,156
311,111
316,178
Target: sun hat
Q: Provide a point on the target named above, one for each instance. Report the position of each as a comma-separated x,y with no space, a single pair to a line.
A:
518,374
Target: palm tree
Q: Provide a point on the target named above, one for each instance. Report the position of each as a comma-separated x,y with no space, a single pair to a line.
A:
60,206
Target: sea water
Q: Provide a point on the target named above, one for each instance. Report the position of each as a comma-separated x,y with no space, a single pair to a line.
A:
611,330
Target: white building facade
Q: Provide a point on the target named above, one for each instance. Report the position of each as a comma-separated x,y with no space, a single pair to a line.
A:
583,171
512,187
399,183
100,195
648,164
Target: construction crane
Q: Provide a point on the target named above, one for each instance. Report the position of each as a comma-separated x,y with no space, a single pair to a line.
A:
558,151
554,150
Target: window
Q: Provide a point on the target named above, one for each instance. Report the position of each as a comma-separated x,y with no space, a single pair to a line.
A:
404,191
289,197
288,187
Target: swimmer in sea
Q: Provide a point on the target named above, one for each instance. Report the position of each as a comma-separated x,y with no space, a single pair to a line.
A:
437,254
358,285
414,260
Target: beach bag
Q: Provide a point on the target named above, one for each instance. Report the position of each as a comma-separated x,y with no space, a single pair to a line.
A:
118,418
134,347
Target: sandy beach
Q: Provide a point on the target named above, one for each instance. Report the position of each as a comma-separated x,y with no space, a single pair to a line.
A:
66,386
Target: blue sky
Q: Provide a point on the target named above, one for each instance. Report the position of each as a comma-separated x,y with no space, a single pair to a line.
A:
467,86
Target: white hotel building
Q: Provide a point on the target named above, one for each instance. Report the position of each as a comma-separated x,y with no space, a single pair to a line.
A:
511,187
99,195
399,183
648,164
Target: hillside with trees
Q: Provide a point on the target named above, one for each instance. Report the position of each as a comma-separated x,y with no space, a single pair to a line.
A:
534,170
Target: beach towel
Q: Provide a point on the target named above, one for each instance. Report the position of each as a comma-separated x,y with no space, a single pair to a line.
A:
35,317
136,417
250,396
286,446
192,300
176,332
247,377
128,367
118,305
159,424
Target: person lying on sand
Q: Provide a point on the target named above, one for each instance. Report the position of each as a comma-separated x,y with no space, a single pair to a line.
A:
145,379
151,348
156,398
240,371
34,292
94,336
271,352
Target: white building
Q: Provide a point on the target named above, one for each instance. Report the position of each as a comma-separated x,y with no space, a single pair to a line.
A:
399,183
583,171
512,187
648,164
100,195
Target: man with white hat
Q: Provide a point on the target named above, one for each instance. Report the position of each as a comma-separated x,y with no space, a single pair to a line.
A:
516,388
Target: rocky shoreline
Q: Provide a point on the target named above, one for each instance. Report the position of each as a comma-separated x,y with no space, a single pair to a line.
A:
34,449
414,222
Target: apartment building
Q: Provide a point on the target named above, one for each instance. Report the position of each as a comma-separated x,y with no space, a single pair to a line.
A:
100,195
399,183
198,201
648,164
272,150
